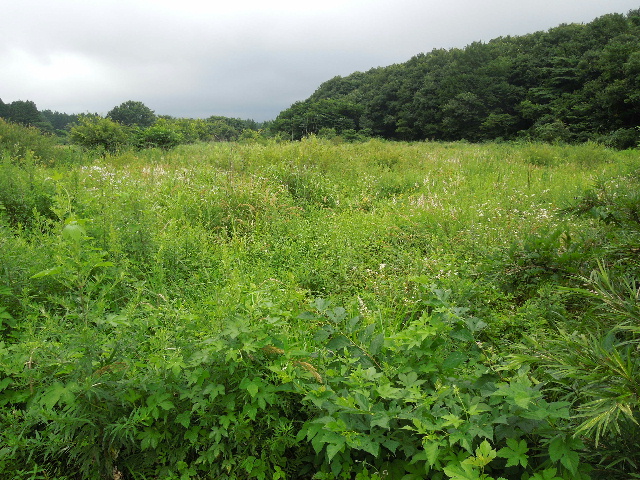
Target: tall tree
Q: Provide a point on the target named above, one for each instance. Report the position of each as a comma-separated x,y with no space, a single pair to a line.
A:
132,114
24,112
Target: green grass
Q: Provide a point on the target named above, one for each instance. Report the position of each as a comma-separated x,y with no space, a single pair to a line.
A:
135,279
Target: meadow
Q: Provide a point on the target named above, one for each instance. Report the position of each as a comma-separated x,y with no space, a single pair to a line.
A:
319,309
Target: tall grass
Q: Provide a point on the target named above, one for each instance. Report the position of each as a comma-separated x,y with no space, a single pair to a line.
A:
165,267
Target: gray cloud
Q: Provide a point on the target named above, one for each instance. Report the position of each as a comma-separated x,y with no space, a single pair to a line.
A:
244,58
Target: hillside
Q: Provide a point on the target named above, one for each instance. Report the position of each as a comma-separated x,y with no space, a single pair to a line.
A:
572,83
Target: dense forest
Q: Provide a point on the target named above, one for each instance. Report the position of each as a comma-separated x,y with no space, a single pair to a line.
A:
572,83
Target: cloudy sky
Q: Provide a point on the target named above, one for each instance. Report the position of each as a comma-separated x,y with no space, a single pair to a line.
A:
238,58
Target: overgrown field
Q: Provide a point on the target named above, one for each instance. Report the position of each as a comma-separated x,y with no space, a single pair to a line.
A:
317,310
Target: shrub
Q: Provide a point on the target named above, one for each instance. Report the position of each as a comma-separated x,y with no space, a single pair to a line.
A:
99,133
25,196
598,371
249,402
160,135
17,141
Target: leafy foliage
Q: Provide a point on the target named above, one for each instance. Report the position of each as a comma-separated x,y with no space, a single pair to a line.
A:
17,141
319,309
94,132
132,114
161,135
572,83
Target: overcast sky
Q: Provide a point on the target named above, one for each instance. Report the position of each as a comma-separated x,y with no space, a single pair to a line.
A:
238,58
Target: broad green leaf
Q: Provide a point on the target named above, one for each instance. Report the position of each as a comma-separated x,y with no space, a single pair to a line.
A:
484,454
57,393
387,391
5,382
318,443
103,264
323,334
562,448
166,405
364,442
521,394
452,420
461,334
74,232
321,304
390,444
410,379
380,420
213,390
376,344
454,359
184,419
52,395
548,474
478,408
458,471
50,271
337,315
461,438
515,452
338,343
253,389
475,324
432,450
334,448
307,316
192,434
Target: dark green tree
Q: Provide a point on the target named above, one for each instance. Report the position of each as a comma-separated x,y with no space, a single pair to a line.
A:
310,117
132,114
221,131
463,116
26,113
4,109
60,121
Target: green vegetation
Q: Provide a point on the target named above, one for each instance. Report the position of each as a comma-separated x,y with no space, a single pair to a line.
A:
130,124
318,309
197,299
572,83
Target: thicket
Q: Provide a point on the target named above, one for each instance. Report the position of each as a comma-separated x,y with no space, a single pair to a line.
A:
572,83
319,310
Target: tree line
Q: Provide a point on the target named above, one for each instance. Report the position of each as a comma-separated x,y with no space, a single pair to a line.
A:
130,124
572,83
25,112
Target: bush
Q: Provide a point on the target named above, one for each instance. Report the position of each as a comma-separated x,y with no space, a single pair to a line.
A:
17,141
248,402
598,371
99,133
25,197
622,138
159,136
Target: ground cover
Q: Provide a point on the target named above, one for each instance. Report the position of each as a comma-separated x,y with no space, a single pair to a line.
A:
317,309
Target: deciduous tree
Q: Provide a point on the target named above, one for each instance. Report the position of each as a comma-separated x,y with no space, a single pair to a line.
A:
132,113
